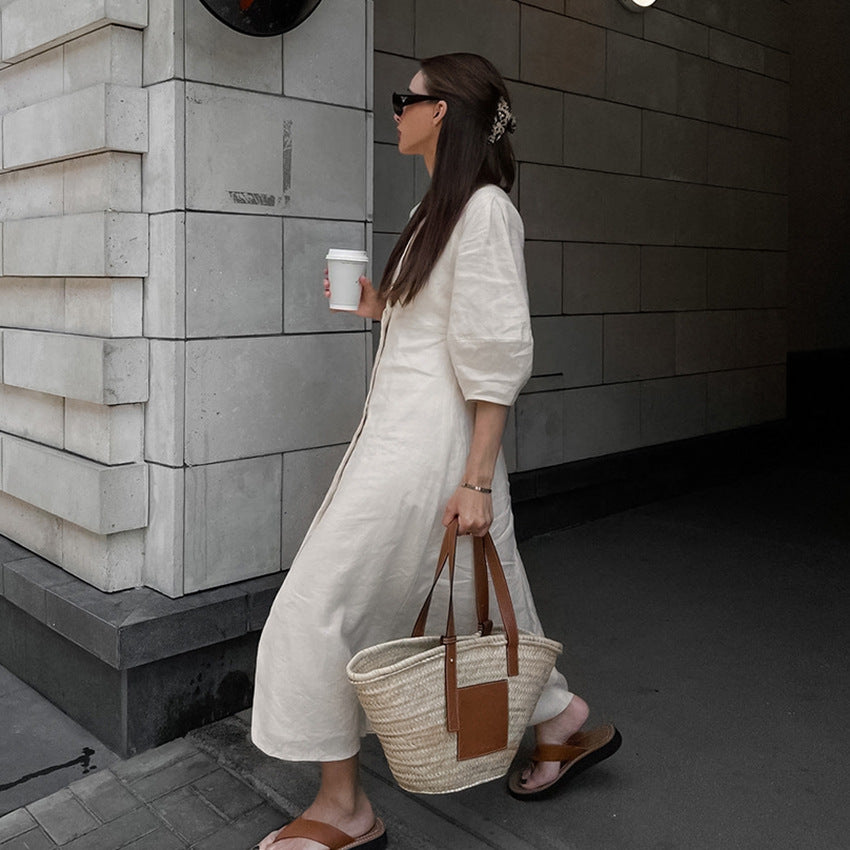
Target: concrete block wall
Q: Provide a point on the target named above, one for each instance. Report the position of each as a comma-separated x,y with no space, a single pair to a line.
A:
653,184
74,380
175,392
257,163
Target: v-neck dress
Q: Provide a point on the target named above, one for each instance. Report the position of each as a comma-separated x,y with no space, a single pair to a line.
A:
367,560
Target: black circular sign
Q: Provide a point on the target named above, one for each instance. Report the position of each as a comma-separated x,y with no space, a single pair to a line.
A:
261,17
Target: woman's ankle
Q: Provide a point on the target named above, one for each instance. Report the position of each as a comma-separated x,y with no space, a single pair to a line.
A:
578,710
342,801
563,725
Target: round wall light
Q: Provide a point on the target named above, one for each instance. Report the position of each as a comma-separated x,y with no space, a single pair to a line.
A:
637,5
261,17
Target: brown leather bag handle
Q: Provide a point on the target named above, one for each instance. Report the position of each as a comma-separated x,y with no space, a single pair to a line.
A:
506,608
486,560
482,588
447,551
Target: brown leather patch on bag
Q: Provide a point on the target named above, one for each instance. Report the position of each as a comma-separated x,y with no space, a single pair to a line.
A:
483,719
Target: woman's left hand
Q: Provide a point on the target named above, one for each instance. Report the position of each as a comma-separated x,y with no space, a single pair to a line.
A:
474,511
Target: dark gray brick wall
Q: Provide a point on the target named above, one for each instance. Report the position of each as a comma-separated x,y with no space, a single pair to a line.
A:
653,154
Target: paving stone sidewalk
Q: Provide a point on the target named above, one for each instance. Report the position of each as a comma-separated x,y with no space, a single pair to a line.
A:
176,796
213,790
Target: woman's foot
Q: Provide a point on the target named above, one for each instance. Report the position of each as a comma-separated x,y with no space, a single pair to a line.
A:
555,731
355,821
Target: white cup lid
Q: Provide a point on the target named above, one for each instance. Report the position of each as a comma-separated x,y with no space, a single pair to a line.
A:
347,254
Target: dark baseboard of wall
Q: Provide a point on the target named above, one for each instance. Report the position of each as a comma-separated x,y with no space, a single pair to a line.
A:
569,494
135,668
135,709
818,393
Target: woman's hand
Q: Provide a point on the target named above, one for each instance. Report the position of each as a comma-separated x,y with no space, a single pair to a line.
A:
474,511
370,307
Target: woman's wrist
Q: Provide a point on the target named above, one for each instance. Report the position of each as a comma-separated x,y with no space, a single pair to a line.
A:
481,475
478,477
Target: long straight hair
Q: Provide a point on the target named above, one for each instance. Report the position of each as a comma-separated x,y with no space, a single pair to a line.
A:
465,161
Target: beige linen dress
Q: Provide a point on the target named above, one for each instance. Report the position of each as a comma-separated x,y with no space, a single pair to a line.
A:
367,560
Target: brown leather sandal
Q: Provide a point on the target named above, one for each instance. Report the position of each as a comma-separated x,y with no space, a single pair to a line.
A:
331,837
582,750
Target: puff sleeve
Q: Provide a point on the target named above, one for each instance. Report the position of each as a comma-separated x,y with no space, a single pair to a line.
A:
489,329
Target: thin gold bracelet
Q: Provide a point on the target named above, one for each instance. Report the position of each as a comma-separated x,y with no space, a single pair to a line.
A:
476,487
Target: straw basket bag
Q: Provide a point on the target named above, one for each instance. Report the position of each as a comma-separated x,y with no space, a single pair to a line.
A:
450,710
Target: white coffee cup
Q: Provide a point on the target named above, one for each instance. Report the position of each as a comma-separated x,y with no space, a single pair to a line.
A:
344,270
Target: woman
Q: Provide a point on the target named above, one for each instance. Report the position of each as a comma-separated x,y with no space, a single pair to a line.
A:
455,350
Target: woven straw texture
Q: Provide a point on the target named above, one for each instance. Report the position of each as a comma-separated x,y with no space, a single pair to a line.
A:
400,685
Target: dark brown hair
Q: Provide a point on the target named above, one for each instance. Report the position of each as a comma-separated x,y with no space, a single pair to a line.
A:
465,161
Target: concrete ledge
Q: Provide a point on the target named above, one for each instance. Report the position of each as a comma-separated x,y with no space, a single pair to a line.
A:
39,78
99,118
177,663
109,434
33,302
33,192
10,551
102,499
109,562
103,307
31,527
32,415
104,181
30,26
111,54
93,369
98,244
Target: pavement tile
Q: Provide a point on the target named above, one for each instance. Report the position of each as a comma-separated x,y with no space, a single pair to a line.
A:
104,795
245,832
15,823
188,814
186,771
227,793
62,816
118,832
35,839
153,760
162,839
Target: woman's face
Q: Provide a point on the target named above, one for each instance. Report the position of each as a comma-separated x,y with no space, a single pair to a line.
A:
419,125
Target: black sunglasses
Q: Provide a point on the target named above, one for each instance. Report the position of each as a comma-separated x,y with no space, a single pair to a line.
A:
400,100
